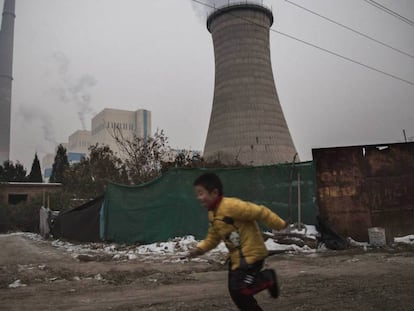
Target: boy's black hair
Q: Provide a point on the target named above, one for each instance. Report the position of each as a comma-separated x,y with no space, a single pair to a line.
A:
209,181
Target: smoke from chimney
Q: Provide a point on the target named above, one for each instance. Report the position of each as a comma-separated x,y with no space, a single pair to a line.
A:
31,114
75,91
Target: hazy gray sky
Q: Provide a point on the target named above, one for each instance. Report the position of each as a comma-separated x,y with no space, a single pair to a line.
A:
74,58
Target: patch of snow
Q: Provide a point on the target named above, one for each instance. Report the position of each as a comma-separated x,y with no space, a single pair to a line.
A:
271,245
98,277
30,235
353,260
354,243
409,239
16,284
176,246
110,249
221,248
308,231
198,259
174,250
322,247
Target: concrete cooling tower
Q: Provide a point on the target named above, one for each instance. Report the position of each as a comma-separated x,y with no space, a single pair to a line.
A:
6,66
247,124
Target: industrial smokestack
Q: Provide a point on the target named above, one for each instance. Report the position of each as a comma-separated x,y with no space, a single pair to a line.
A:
6,78
247,124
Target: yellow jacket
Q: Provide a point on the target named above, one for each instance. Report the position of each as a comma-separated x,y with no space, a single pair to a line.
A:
234,222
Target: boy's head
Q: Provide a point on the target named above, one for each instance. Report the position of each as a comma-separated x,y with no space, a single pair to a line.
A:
208,188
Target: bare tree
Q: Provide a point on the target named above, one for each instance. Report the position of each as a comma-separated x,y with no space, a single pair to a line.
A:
142,156
88,178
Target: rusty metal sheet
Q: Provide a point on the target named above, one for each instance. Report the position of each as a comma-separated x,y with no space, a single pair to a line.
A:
360,187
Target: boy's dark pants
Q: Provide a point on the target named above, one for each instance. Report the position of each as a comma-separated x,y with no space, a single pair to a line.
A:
246,282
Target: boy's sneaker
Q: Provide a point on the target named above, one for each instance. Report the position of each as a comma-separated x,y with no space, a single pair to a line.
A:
274,289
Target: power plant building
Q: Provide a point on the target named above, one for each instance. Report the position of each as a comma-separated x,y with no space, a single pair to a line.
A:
247,124
106,123
80,141
6,76
103,128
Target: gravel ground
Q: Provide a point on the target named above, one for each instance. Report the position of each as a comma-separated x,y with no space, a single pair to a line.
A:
35,275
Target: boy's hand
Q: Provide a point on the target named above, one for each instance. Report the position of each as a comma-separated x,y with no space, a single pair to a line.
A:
194,252
289,226
288,222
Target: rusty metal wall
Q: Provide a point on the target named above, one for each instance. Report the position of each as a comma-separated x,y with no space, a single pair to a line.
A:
360,187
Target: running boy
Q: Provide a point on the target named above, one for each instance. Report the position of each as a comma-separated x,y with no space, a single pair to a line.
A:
234,222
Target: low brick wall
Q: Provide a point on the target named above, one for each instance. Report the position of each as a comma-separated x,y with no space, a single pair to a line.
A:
15,191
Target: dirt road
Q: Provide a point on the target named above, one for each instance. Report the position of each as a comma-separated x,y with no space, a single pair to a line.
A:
347,280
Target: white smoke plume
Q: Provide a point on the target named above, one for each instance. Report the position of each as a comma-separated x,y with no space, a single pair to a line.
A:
203,8
63,63
32,115
74,91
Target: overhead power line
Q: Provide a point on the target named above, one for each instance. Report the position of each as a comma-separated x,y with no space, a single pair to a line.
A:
315,46
345,57
389,11
349,28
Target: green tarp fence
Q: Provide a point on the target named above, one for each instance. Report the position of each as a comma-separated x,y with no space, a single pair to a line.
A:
166,207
